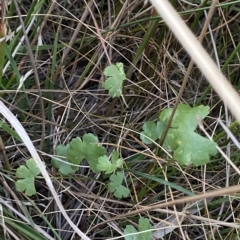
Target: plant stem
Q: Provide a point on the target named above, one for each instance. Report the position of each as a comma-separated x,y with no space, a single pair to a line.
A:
204,29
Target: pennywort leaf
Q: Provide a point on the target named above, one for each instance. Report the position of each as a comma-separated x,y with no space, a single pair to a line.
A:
92,150
26,174
131,233
61,162
104,164
115,76
143,232
144,226
115,186
188,146
152,131
73,153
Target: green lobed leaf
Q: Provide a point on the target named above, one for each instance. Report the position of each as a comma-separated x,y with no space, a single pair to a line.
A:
26,185
188,146
144,225
118,163
27,176
104,164
92,150
63,167
116,160
30,170
193,148
117,178
185,116
115,156
152,131
114,82
32,166
62,150
22,172
130,230
142,233
75,154
115,186
76,151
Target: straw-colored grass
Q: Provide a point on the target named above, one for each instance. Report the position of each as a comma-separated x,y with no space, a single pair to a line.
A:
52,58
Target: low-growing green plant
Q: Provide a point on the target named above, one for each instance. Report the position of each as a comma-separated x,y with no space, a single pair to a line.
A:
114,82
115,186
143,232
188,147
27,174
78,149
68,160
89,148
107,166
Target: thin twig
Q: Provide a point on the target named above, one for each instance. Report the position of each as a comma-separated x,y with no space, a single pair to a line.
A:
199,55
213,193
28,143
204,29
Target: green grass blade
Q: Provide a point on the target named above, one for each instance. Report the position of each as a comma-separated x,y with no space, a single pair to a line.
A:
10,131
162,181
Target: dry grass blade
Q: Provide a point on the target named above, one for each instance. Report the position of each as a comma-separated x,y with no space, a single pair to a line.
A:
25,138
2,12
69,45
45,234
214,193
34,68
220,150
2,37
189,69
199,56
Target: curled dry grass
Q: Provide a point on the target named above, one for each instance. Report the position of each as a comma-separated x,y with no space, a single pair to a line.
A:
71,44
